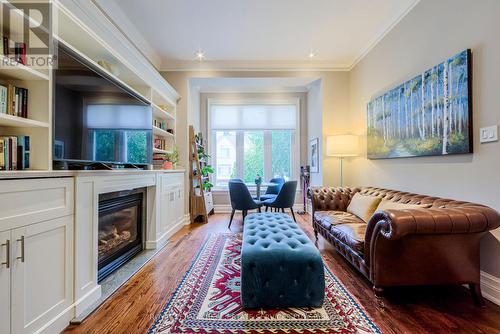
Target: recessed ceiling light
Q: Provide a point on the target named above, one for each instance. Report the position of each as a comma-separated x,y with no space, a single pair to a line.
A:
200,54
312,54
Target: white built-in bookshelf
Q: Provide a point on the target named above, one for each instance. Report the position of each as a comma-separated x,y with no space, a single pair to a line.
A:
39,83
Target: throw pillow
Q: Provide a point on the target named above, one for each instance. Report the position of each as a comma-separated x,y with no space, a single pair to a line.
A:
363,206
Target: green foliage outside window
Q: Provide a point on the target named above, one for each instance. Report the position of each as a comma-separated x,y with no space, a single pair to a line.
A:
105,145
254,155
136,142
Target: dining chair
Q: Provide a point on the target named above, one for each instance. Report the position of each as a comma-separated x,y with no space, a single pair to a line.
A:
285,198
273,190
241,199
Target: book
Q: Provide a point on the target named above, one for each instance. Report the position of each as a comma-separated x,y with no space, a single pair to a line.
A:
5,45
13,152
20,52
3,99
21,151
25,103
2,154
17,93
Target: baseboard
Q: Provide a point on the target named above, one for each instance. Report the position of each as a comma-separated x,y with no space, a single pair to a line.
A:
59,323
82,304
218,208
162,241
490,287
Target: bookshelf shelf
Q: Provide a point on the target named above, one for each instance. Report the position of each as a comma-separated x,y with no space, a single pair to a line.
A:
157,150
20,72
160,132
160,113
9,120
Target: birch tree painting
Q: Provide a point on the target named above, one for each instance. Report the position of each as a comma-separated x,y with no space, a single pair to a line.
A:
428,115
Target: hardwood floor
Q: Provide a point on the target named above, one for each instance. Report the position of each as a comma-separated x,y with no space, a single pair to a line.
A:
135,306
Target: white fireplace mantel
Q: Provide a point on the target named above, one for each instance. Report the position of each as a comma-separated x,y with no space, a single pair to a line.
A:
162,189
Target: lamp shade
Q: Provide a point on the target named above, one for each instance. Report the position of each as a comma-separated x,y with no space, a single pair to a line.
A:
342,146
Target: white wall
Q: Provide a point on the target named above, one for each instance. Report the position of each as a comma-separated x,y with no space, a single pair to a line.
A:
433,31
315,127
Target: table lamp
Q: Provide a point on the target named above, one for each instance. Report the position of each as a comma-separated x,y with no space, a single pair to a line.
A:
342,146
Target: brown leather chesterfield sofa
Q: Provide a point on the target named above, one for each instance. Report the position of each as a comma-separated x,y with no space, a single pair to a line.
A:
435,244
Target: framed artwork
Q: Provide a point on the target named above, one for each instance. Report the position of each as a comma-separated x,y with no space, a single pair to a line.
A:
314,155
429,115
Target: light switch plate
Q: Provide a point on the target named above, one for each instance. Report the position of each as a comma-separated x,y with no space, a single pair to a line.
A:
488,134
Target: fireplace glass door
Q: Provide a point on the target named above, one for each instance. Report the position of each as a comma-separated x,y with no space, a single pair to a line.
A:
120,230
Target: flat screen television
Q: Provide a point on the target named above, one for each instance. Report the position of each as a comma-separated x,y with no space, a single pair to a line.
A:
97,120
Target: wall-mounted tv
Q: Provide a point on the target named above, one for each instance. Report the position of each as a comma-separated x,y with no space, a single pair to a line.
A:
97,120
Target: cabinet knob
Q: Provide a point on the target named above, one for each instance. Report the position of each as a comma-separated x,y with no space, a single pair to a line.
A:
7,253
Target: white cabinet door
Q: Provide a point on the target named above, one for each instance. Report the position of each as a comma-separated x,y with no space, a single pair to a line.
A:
179,205
42,273
5,260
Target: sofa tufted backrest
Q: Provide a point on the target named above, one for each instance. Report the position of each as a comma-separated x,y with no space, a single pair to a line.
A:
331,198
410,198
338,198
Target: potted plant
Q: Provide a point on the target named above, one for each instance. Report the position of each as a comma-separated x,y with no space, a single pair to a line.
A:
171,159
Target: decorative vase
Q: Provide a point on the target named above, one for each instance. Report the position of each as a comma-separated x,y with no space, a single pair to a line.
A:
168,165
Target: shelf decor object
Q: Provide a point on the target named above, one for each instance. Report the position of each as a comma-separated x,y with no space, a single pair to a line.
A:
428,115
200,195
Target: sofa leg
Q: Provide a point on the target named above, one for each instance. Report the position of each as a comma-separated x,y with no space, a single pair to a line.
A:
378,295
475,289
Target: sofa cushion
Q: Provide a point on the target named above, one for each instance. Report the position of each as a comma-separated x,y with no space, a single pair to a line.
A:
363,206
351,234
329,218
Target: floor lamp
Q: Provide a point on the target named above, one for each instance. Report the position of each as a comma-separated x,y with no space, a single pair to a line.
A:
342,146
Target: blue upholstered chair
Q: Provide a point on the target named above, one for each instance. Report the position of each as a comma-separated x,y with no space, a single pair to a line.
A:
241,199
273,190
285,198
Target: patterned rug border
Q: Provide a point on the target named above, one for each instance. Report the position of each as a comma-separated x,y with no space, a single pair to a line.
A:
195,259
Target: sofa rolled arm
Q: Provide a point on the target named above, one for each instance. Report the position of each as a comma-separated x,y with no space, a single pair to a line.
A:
331,198
395,224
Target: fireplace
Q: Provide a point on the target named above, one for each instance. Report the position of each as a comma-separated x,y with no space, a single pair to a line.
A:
121,223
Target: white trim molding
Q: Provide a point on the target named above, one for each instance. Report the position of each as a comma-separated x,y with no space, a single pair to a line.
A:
490,287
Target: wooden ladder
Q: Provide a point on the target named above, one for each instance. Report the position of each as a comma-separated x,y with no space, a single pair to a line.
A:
197,206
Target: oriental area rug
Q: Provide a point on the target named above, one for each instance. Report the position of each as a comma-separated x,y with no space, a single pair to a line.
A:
208,301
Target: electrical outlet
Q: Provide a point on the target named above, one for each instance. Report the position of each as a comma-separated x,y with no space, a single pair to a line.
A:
488,134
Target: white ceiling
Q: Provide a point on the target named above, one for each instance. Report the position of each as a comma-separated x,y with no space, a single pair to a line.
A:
254,34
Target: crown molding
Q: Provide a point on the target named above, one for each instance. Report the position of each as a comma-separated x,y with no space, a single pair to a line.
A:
383,32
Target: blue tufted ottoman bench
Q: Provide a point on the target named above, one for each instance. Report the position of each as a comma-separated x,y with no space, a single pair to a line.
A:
280,266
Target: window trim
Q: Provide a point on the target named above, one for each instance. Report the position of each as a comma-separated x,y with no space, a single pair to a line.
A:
295,154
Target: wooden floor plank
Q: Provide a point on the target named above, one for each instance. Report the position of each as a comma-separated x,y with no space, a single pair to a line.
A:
136,305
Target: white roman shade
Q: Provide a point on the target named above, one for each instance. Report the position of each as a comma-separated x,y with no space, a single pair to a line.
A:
253,117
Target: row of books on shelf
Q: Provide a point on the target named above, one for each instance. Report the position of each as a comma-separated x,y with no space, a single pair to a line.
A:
14,152
160,124
11,47
14,101
160,143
